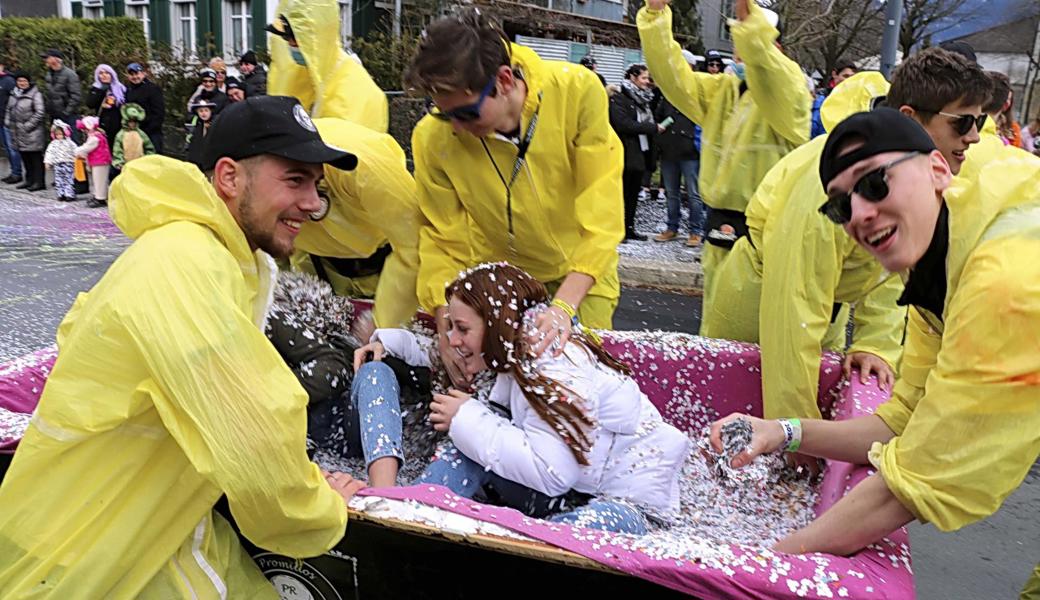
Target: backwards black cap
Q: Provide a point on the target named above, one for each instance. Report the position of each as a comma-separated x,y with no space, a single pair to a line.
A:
882,130
276,125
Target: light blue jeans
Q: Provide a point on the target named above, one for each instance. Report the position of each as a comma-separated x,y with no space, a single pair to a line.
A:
12,155
368,424
671,171
455,471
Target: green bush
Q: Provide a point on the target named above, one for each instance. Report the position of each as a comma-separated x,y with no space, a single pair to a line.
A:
386,57
85,43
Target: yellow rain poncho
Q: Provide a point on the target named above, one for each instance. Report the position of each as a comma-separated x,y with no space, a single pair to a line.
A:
333,84
369,206
966,408
165,395
743,135
566,201
777,287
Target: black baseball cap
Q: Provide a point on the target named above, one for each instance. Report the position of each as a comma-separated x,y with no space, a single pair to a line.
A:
52,52
233,83
277,125
248,58
882,130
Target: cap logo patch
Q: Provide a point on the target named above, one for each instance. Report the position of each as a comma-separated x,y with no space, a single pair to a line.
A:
303,118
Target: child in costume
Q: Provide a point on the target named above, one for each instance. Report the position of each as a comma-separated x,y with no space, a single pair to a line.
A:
61,158
131,142
99,159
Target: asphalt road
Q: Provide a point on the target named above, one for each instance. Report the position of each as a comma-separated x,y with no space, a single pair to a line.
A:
49,252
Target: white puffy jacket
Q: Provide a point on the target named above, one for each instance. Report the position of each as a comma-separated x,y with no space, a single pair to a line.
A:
635,456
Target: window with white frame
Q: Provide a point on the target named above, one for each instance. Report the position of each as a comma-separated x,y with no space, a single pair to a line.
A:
183,25
238,26
728,12
346,22
93,9
138,9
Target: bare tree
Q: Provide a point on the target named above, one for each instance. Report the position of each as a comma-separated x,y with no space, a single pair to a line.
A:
819,33
923,19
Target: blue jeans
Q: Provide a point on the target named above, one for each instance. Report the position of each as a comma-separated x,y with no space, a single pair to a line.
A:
368,424
452,469
12,155
671,170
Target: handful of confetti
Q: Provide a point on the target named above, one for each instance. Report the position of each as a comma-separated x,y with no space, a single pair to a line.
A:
736,438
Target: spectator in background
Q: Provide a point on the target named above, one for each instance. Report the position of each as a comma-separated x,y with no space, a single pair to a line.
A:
204,111
220,68
713,63
132,142
61,158
144,92
98,154
105,98
25,114
590,63
63,88
843,71
1009,130
236,91
207,91
680,159
633,121
1031,136
13,158
254,76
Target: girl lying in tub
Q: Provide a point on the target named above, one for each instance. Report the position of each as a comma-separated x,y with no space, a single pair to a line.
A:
566,436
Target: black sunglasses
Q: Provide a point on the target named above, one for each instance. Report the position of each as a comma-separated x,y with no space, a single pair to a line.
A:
962,124
465,114
872,187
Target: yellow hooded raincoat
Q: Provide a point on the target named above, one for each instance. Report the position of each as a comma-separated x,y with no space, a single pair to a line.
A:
566,201
966,408
165,395
777,287
744,135
333,84
369,206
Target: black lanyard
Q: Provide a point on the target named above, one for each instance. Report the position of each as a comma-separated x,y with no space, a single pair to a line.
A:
517,166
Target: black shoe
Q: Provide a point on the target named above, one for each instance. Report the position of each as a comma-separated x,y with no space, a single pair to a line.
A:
23,185
633,236
95,203
11,179
35,187
66,198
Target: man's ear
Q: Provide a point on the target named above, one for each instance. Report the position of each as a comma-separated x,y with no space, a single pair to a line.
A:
908,110
227,179
941,174
506,79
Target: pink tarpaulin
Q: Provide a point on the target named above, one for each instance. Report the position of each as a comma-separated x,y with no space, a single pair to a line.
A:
693,381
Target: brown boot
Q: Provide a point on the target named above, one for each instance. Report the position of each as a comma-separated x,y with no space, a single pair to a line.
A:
666,236
693,241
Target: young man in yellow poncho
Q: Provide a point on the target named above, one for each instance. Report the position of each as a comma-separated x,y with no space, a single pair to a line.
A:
783,285
308,62
516,162
166,394
750,119
962,428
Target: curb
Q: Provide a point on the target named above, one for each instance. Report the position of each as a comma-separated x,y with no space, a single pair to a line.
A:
684,277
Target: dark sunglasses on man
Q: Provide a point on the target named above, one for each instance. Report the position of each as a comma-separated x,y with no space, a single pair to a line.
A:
962,124
872,186
464,114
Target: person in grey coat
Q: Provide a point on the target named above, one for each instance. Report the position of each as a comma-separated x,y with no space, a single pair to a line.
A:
63,87
24,119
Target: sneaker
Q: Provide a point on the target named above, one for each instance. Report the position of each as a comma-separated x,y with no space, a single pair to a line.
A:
693,241
661,196
66,198
12,179
95,203
666,236
644,194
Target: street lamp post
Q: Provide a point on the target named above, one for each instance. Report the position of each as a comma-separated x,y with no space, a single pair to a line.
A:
890,38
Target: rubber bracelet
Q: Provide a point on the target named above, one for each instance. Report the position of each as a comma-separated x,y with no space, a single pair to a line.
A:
572,313
796,435
788,432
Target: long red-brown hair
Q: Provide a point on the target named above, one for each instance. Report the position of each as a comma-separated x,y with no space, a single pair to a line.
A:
501,293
